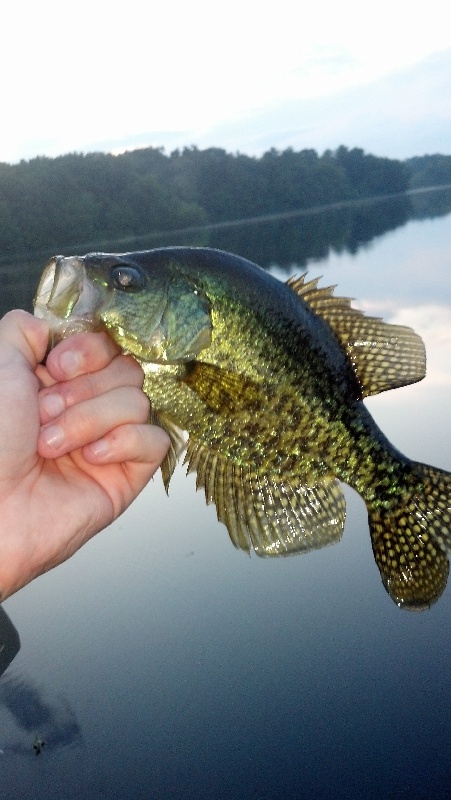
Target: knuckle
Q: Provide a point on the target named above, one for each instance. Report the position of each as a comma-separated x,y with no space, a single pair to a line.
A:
134,369
79,389
143,404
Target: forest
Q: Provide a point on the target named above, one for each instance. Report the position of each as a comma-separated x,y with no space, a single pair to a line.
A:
51,204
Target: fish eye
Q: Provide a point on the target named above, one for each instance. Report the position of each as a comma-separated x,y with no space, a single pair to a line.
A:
128,279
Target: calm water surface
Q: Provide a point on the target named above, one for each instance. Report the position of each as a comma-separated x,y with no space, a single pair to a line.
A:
161,663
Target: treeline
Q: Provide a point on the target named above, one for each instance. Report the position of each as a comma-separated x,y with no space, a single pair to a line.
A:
53,203
430,170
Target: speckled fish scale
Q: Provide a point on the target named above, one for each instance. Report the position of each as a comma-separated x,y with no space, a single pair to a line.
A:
268,379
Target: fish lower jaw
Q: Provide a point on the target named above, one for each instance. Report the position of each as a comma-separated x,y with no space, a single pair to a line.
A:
62,328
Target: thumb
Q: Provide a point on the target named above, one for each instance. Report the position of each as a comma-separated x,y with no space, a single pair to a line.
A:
28,335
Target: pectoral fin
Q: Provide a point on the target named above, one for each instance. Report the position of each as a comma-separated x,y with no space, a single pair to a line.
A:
263,514
221,391
178,444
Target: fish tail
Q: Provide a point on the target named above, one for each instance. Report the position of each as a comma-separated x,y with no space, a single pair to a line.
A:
411,536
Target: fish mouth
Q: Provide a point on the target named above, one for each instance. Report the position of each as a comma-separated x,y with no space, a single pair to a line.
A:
65,298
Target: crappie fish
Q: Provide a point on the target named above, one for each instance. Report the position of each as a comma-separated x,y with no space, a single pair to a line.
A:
268,379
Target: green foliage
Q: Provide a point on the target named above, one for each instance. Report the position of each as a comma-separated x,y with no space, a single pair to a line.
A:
74,200
430,170
370,175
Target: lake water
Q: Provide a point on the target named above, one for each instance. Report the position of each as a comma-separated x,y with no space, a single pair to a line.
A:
160,662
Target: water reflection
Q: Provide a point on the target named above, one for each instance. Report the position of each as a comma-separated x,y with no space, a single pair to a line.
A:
9,641
429,204
296,240
40,723
224,676
293,238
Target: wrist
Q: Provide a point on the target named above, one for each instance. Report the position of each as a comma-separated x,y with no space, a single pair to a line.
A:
17,562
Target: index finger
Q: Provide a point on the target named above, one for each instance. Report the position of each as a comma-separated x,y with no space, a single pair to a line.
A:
79,354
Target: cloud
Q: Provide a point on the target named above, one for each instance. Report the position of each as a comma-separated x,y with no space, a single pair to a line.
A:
406,113
282,80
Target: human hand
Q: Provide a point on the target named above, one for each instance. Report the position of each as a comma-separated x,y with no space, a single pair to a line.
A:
75,445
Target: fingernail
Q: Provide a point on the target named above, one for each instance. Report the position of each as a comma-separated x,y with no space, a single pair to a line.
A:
71,362
52,404
52,436
100,448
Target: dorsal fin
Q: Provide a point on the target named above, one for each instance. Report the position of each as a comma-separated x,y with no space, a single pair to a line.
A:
384,356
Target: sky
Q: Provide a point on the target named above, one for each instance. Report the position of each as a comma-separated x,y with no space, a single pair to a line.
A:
102,76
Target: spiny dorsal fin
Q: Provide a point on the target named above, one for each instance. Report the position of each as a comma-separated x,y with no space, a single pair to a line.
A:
261,513
384,356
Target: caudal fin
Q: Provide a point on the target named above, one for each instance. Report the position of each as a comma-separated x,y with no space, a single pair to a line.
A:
411,537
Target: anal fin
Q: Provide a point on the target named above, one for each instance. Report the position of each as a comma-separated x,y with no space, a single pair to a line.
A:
271,517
